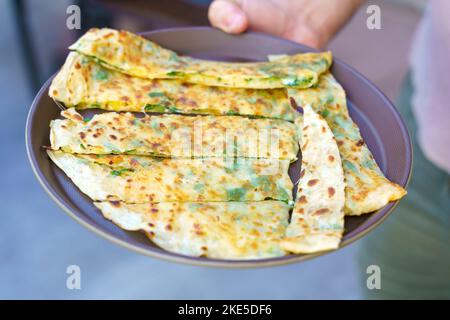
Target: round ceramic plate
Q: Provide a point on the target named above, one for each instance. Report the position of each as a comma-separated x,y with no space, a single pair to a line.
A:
380,124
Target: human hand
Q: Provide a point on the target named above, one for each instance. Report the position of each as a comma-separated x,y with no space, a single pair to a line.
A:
311,22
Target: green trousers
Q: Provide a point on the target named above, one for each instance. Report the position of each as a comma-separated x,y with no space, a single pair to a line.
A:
412,247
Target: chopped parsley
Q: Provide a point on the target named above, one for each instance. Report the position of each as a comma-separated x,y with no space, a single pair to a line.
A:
236,194
173,109
199,187
156,94
101,74
174,73
262,182
293,81
119,172
154,108
325,113
282,194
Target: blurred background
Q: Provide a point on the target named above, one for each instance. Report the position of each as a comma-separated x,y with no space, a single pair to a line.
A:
38,241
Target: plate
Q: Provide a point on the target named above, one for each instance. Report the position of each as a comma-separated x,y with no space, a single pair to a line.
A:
381,126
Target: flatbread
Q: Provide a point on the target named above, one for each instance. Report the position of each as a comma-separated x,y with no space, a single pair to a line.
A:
136,56
137,179
222,230
317,221
174,136
84,84
367,189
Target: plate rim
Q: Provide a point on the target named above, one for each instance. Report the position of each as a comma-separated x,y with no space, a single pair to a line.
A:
353,236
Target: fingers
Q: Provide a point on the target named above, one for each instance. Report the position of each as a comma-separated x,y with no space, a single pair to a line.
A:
305,35
227,16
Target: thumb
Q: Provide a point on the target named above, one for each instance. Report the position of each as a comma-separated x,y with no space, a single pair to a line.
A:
228,16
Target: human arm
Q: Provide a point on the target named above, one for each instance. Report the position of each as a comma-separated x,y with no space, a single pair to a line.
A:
311,22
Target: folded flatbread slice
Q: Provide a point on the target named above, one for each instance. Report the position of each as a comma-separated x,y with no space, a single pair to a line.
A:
222,230
84,84
137,179
317,221
367,189
136,56
174,136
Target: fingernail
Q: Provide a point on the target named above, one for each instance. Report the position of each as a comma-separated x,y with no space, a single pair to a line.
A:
234,21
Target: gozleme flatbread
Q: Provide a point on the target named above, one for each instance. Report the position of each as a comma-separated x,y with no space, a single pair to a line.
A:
136,179
136,56
367,189
223,230
317,221
83,83
174,136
